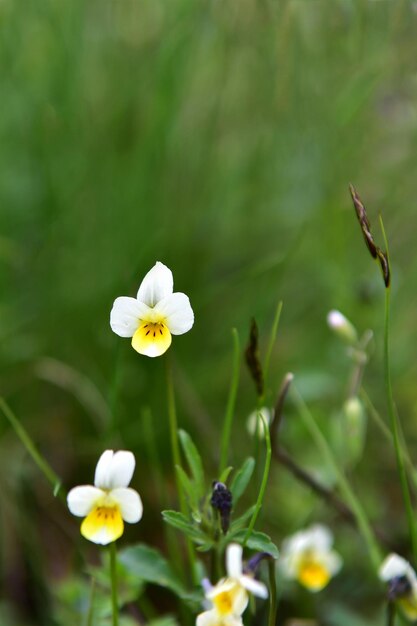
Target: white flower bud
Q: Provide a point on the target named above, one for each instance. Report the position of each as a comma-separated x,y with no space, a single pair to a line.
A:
342,327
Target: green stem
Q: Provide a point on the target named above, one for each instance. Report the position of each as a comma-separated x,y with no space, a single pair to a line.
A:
113,577
24,437
355,505
228,419
176,457
173,432
392,413
264,479
390,614
272,593
395,431
271,342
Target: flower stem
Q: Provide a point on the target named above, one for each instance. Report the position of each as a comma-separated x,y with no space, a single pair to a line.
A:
272,593
264,479
393,416
90,614
113,577
228,419
390,614
26,440
173,431
355,505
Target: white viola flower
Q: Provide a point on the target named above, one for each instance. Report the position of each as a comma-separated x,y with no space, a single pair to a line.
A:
402,584
255,425
229,597
110,502
154,315
307,556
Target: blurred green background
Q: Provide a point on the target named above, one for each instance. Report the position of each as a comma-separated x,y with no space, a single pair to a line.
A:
219,137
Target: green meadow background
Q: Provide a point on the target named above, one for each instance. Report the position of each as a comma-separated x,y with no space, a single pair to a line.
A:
219,137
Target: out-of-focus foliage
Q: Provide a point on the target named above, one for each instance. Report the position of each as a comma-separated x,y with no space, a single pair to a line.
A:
217,136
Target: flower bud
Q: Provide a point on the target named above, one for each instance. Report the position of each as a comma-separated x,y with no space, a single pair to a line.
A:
342,327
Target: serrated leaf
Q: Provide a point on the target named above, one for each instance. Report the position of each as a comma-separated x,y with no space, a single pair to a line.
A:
194,461
261,542
241,479
179,521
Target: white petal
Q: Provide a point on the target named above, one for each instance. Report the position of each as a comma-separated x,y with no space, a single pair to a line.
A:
157,284
393,566
212,618
129,502
333,562
321,537
126,315
234,560
82,499
254,586
177,312
101,477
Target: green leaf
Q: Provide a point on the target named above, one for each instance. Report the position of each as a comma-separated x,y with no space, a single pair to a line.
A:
194,461
258,541
149,565
225,474
189,488
241,479
179,521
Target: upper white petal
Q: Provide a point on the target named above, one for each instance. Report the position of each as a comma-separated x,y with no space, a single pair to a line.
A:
321,537
332,561
177,311
81,500
102,474
129,502
234,560
254,586
114,469
126,314
157,284
394,565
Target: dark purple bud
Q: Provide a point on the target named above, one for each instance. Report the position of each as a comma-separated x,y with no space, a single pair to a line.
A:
222,501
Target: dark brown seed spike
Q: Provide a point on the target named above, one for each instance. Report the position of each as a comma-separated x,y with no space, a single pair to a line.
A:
383,261
253,360
363,221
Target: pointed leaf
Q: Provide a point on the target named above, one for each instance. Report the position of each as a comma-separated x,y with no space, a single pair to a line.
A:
194,461
241,479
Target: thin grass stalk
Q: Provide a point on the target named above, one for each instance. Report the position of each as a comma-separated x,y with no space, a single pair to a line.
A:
228,419
90,612
33,451
355,505
393,416
113,579
262,489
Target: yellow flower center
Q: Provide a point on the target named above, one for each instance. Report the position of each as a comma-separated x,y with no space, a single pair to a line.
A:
313,574
152,338
223,602
103,524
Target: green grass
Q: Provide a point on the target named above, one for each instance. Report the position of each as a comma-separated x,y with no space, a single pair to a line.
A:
218,137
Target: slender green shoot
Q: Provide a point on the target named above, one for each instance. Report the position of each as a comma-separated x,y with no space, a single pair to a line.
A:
271,342
113,578
262,489
228,419
33,451
390,614
322,445
272,593
393,416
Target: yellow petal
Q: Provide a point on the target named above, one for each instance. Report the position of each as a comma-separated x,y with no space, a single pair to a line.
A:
103,525
409,607
313,575
152,339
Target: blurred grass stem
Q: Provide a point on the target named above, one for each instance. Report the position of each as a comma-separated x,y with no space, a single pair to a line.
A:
113,578
393,416
38,459
271,342
228,419
345,488
90,613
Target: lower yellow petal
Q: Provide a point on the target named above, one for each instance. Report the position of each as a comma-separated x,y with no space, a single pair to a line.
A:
152,339
313,575
409,607
103,525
